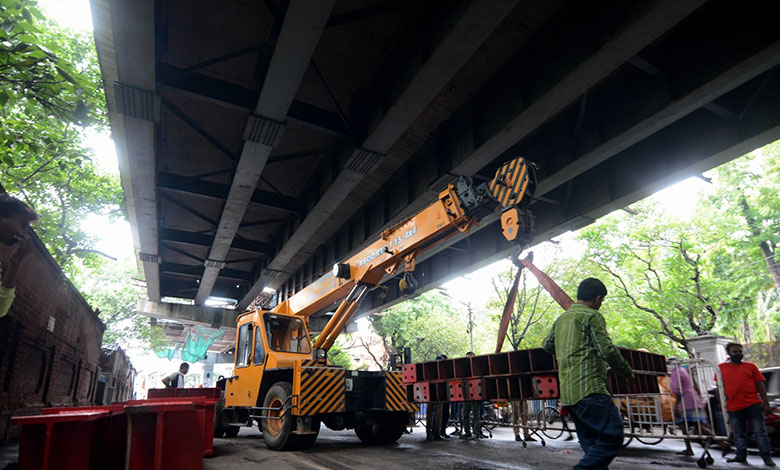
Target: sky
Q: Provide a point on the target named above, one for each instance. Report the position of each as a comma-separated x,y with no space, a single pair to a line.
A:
115,237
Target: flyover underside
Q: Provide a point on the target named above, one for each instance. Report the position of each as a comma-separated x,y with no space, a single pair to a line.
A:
261,143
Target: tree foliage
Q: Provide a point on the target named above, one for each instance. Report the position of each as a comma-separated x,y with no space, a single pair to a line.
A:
110,291
428,324
50,93
534,310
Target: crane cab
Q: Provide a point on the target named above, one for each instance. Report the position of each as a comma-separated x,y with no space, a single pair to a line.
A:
265,342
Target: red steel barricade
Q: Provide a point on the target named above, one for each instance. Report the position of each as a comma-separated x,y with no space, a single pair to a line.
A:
61,441
112,428
204,407
163,435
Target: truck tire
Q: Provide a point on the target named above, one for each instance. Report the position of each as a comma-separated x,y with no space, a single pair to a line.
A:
277,433
379,427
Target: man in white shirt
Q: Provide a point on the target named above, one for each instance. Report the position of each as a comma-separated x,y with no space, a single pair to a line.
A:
176,379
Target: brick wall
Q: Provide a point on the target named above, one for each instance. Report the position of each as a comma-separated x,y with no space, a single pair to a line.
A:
49,343
117,376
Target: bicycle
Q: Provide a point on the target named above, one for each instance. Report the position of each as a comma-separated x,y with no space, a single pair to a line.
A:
557,421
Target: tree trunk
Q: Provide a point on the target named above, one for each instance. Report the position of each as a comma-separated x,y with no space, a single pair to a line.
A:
766,249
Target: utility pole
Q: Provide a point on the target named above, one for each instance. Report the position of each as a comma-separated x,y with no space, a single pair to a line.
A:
470,327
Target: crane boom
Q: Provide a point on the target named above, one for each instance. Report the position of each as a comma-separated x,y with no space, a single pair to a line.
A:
457,209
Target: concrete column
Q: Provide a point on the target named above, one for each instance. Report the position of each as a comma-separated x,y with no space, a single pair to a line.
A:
711,348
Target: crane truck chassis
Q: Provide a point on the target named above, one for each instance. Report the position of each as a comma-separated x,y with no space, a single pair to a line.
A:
283,381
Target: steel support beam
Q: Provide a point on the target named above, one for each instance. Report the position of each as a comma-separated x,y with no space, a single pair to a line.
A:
475,23
688,147
192,270
199,187
133,112
299,35
189,314
515,103
202,240
225,94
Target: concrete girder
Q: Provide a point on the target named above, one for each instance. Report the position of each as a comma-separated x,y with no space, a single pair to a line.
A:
298,37
503,110
128,76
189,314
468,32
688,147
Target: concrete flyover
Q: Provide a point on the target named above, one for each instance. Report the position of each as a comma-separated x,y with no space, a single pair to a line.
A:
261,142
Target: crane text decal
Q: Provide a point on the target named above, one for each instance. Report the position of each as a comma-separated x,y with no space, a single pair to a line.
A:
395,243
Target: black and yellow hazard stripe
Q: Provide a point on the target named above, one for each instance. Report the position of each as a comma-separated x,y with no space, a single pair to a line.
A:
322,390
510,183
395,393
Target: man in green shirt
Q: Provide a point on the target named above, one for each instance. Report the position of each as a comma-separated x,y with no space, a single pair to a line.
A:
15,219
581,345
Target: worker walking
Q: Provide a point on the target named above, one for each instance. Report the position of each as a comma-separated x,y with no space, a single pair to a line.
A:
581,344
176,379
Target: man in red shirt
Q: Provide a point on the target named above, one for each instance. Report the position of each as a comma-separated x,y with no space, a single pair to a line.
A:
746,401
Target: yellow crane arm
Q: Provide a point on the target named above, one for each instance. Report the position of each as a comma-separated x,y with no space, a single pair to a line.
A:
456,210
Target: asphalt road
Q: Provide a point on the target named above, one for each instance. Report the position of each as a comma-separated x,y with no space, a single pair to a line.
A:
343,451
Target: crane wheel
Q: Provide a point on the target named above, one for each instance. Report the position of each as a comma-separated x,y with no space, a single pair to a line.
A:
380,427
279,424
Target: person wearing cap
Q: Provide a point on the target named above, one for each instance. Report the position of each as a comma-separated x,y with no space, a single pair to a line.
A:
15,220
581,345
747,402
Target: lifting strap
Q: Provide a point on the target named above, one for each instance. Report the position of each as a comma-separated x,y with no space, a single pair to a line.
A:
561,297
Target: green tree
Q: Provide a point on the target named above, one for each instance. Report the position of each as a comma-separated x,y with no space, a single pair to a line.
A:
534,309
110,290
428,324
666,271
339,358
50,92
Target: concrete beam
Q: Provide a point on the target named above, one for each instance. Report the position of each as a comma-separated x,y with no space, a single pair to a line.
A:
469,31
199,239
189,314
299,35
515,103
688,147
124,37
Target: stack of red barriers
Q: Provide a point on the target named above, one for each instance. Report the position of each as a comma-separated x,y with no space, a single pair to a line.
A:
174,428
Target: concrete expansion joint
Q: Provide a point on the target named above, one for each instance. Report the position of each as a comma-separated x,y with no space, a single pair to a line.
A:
264,131
149,258
364,161
214,263
137,102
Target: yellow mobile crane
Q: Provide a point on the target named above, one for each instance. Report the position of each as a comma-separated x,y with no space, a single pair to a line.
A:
284,382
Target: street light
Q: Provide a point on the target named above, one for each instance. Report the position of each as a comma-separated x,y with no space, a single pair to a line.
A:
470,324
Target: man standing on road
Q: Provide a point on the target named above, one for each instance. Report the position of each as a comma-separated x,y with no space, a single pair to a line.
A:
581,344
472,425
176,379
15,219
746,401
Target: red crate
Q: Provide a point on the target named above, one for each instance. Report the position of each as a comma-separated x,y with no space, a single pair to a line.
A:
163,435
61,441
545,386
212,392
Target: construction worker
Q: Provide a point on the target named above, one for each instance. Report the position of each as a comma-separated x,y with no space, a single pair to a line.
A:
581,344
15,219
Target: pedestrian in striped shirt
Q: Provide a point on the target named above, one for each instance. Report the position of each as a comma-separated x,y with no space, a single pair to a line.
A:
581,345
